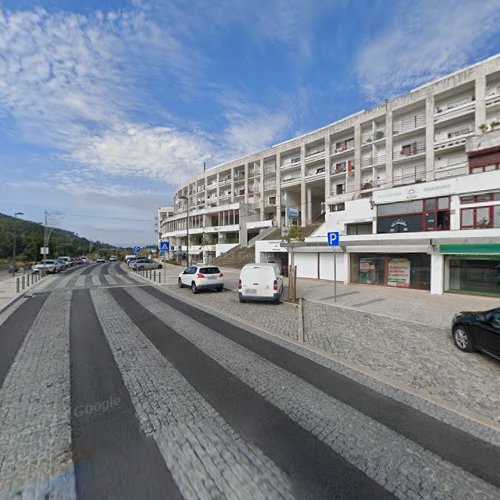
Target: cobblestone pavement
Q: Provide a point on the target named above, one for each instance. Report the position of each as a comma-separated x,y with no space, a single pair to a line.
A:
226,418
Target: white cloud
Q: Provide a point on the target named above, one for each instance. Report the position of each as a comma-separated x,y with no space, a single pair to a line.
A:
424,41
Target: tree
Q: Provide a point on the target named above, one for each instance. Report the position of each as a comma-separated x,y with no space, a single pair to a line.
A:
292,239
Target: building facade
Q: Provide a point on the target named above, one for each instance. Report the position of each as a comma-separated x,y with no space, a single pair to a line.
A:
412,185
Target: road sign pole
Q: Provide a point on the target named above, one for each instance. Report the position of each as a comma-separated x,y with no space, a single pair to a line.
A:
334,276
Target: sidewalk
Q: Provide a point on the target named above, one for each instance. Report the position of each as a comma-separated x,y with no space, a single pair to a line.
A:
417,306
8,287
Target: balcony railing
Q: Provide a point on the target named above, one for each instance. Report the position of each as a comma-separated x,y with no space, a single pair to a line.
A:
373,160
369,137
315,156
409,123
409,176
452,170
408,151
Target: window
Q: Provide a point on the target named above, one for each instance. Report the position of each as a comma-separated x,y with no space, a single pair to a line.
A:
337,207
360,228
478,218
405,207
480,198
409,149
339,189
485,168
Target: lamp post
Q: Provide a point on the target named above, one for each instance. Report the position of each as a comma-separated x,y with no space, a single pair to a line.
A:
14,245
187,227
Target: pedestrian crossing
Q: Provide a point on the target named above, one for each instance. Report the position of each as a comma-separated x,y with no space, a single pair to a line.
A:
115,390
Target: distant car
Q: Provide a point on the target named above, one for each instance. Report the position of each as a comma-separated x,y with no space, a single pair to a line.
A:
201,277
62,264
478,331
130,262
66,260
260,282
143,264
84,259
48,265
130,256
78,261
112,258
101,260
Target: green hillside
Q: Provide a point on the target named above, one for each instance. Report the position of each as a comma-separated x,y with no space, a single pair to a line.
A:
30,238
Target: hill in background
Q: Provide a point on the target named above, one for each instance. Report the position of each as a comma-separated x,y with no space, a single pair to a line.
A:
29,239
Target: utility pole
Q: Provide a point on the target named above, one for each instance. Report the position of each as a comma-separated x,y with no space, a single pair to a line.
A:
187,227
14,243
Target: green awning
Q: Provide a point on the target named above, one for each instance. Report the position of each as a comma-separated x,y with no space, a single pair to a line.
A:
470,248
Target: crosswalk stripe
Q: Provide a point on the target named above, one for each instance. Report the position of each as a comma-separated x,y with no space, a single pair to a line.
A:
96,280
206,457
110,279
80,281
35,432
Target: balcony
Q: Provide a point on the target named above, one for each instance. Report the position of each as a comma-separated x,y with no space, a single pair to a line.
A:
290,181
342,147
453,170
409,176
371,137
409,151
448,111
268,186
291,163
453,139
371,161
409,123
226,180
315,155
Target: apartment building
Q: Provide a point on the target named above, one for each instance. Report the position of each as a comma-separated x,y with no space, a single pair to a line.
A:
405,179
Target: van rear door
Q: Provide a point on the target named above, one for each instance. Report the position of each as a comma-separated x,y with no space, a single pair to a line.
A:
250,280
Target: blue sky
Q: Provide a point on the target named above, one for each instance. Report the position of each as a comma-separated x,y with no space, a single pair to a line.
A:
106,106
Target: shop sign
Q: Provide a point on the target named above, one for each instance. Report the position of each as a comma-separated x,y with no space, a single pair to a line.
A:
401,224
293,213
399,273
366,265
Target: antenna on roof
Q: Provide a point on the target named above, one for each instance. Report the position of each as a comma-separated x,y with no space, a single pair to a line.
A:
204,167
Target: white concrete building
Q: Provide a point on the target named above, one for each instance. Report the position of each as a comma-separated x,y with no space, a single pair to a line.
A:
413,186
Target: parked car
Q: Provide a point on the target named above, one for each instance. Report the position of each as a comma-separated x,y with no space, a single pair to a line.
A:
101,260
260,282
130,256
78,261
48,265
64,259
200,277
130,262
85,259
61,264
112,258
144,264
478,331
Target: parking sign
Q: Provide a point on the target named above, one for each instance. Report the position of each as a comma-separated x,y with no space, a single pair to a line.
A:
333,239
137,249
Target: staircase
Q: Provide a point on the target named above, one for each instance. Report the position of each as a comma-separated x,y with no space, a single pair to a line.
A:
236,257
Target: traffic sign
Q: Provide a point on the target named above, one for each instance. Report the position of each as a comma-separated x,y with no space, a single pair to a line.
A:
137,249
333,239
164,246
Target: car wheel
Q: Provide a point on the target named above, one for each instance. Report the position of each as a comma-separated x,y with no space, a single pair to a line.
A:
220,288
160,266
463,339
277,300
141,268
241,300
179,282
194,288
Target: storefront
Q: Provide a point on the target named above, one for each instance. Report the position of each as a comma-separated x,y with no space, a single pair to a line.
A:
406,270
472,268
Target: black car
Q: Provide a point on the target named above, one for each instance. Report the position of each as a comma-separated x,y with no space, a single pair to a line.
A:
478,331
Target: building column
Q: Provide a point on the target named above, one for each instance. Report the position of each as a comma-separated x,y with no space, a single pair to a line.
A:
327,172
243,224
309,205
261,188
357,158
437,274
232,184
480,94
246,183
429,137
304,218
278,190
388,146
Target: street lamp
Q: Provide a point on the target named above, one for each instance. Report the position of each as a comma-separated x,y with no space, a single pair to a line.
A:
187,227
14,246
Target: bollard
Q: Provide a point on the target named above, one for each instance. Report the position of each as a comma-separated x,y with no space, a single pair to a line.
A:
159,277
23,281
17,285
154,276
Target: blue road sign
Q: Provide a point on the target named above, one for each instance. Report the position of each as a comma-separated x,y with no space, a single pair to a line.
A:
333,239
164,246
137,249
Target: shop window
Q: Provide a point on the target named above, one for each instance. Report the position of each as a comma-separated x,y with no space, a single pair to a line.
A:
480,198
475,275
406,207
485,168
477,218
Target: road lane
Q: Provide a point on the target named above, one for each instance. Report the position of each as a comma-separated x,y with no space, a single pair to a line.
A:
315,470
452,444
113,457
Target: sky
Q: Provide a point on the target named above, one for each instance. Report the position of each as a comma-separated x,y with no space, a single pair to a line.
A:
106,106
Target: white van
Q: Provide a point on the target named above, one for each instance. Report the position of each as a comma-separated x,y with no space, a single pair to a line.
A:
260,282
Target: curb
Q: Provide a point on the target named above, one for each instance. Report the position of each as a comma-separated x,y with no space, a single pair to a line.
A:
20,295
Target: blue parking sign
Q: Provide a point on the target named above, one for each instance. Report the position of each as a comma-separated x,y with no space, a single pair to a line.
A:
137,249
333,239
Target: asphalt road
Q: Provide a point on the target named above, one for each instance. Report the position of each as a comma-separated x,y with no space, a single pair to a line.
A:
113,388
